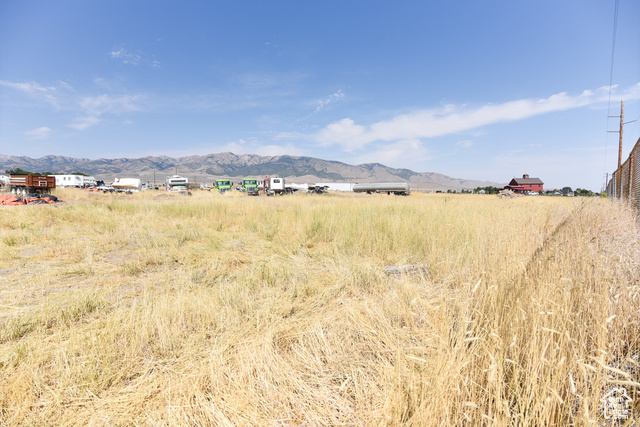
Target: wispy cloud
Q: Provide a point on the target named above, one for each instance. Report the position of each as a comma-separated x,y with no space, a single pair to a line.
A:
94,107
110,104
125,56
47,94
450,119
83,123
129,57
334,97
39,133
89,109
27,87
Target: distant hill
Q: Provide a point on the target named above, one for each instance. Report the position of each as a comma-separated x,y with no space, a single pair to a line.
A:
212,166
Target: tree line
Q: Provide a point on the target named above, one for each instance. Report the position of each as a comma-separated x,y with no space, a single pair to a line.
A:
565,190
18,171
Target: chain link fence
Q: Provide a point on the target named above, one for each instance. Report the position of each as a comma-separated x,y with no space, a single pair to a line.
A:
625,181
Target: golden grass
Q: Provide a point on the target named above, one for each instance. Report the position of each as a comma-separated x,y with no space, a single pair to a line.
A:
154,309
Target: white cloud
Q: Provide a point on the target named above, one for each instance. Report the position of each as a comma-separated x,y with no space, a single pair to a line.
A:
449,119
39,133
346,134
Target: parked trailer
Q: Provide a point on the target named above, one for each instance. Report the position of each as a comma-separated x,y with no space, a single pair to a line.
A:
31,183
126,185
398,188
79,181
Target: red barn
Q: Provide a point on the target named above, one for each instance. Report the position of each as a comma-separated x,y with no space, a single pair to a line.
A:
525,184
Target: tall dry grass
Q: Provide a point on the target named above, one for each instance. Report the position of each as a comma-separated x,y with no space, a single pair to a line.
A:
150,309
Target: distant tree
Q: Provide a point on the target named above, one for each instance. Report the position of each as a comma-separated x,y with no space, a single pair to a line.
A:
79,173
583,192
566,190
18,171
487,190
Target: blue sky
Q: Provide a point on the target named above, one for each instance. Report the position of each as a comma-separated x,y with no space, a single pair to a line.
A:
472,89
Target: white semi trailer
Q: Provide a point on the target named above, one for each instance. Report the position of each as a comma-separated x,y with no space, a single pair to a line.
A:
398,188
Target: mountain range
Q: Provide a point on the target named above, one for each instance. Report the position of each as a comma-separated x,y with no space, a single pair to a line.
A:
154,169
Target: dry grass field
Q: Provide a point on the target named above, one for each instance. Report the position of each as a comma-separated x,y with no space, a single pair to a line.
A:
225,310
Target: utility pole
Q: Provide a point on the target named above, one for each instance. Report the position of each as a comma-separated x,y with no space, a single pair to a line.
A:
622,123
621,126
618,172
619,133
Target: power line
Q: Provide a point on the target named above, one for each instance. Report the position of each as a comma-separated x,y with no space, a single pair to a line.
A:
613,53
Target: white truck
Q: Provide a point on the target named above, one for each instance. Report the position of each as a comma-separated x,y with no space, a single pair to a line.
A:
276,185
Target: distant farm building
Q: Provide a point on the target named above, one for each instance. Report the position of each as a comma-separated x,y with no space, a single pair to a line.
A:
525,184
